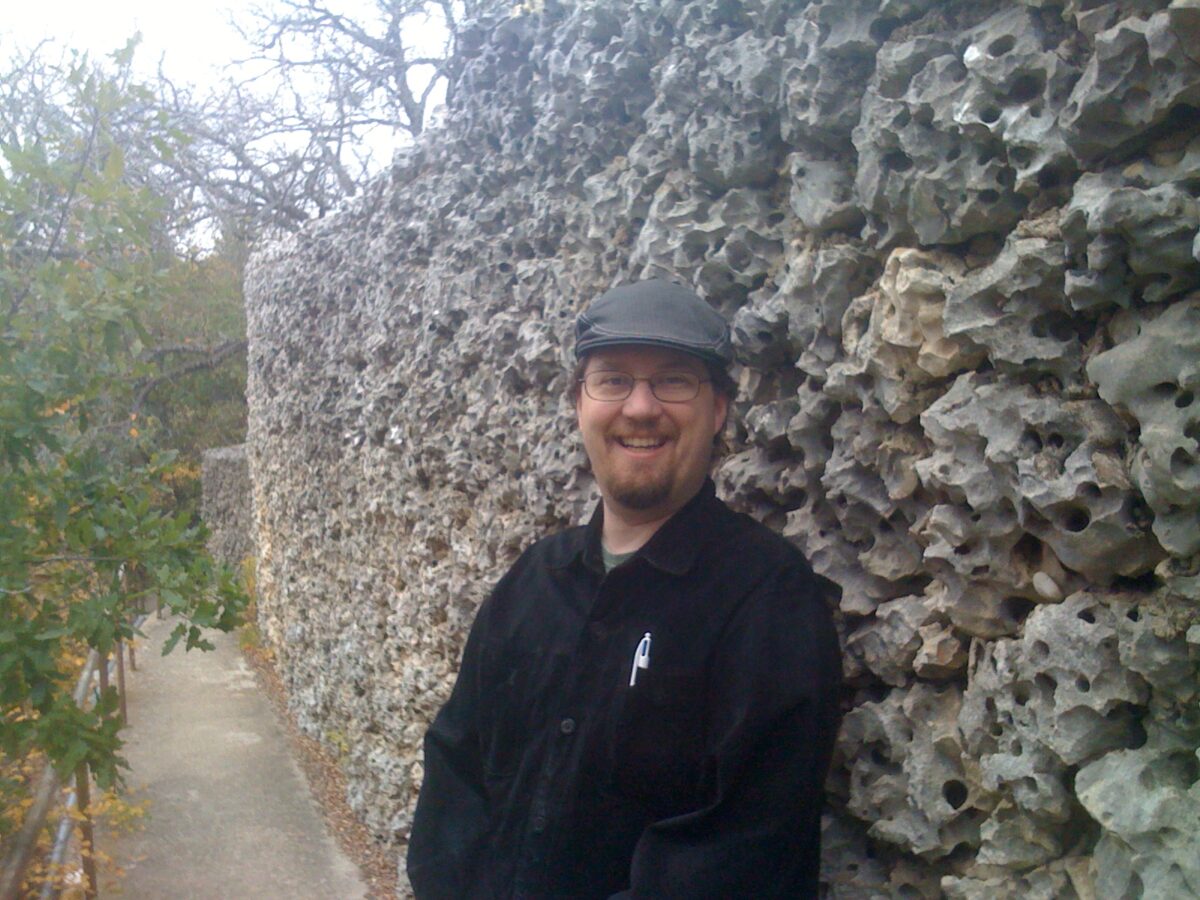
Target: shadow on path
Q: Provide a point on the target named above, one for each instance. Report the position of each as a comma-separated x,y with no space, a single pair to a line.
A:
229,814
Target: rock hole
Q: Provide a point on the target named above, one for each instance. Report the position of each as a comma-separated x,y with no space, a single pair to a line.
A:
897,161
964,549
989,196
877,757
1077,520
989,115
1055,440
1182,463
955,793
1082,685
1134,614
1046,684
1039,651
881,29
1090,489
1086,615
1027,552
1135,735
1049,178
953,154
739,255
1001,45
1031,441
1021,694
1016,609
1184,399
1192,431
962,854
1025,88
1021,156
1165,390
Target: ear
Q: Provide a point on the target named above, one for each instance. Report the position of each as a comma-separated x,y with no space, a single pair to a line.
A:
720,411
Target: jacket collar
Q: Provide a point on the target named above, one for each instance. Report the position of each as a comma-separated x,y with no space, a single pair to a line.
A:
674,547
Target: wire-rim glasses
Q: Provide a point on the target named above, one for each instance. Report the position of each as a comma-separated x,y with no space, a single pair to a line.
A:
667,387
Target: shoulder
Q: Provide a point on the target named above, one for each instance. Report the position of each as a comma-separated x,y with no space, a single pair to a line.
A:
540,564
553,551
745,542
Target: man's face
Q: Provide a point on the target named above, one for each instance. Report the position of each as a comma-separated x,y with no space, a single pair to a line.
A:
649,457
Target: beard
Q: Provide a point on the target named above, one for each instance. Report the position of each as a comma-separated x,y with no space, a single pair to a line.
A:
640,495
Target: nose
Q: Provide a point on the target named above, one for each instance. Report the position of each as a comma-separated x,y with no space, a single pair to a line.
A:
641,403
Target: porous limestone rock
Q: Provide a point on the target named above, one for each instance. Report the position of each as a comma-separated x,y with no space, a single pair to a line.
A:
958,246
1142,71
224,506
1155,375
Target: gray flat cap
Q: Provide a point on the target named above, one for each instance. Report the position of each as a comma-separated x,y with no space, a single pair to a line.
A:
654,314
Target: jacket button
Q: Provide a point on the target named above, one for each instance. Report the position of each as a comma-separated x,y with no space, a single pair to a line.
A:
567,725
539,824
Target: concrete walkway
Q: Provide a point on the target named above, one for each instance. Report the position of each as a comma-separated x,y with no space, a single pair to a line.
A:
229,814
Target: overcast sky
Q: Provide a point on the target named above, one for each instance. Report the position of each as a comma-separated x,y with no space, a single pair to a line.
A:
194,39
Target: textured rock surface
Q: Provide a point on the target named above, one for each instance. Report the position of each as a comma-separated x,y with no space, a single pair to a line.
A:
958,245
225,506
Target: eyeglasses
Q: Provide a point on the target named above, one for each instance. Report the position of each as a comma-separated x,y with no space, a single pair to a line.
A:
667,387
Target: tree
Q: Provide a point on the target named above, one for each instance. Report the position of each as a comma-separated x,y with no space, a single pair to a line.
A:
289,135
85,500
378,67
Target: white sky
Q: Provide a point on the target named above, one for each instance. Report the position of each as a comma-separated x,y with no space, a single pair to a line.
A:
193,39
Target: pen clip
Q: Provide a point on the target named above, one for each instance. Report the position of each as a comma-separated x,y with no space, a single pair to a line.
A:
641,658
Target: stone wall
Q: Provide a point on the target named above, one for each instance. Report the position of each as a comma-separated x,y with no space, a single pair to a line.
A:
225,505
958,243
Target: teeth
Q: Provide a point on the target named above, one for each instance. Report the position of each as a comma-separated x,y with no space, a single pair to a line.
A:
640,444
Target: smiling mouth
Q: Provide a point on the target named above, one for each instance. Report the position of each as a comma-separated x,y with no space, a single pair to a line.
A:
642,443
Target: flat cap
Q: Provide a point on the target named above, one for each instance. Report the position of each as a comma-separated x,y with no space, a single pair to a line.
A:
655,314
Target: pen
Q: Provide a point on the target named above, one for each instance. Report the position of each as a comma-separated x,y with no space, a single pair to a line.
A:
641,658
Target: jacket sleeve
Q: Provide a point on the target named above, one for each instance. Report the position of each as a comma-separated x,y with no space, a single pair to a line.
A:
772,721
451,818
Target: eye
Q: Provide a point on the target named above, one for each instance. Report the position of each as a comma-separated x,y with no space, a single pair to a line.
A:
674,380
610,379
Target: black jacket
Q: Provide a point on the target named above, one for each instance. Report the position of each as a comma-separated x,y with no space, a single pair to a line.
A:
547,774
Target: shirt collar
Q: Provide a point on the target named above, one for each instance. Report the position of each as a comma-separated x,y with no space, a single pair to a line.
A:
674,547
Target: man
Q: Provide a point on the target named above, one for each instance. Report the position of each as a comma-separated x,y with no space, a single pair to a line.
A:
647,704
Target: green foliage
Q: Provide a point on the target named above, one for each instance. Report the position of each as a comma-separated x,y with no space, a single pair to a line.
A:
88,522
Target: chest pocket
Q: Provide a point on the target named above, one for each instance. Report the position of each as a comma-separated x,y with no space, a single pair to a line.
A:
658,738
